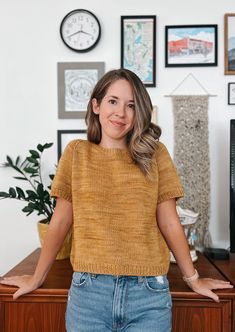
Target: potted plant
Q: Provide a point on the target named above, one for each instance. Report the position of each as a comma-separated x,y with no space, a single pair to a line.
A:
37,197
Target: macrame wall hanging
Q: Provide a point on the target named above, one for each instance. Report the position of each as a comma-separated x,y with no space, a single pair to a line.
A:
191,156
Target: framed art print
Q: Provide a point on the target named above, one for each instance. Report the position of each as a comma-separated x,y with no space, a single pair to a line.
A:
190,45
229,44
76,81
138,47
65,136
231,93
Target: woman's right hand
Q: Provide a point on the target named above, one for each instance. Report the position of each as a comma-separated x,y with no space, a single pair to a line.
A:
26,284
60,224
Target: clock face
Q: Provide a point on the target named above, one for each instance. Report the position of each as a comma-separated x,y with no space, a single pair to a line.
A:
80,30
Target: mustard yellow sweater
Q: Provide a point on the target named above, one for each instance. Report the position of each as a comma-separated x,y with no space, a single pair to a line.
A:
114,207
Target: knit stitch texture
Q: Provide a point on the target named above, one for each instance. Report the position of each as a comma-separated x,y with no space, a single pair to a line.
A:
114,208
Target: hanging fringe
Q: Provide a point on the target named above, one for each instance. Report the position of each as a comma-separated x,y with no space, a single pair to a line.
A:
191,156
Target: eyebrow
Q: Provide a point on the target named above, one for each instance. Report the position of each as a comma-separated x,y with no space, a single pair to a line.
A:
114,97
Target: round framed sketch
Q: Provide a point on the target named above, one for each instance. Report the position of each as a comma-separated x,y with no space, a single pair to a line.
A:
80,30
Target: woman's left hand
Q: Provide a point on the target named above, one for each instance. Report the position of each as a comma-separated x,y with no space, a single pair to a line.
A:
204,287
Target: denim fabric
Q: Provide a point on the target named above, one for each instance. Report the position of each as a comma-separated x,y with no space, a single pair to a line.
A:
100,303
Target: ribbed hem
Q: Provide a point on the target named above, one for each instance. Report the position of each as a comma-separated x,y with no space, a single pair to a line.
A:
129,270
177,193
55,192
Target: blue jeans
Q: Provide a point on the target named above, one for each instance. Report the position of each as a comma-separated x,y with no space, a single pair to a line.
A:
100,303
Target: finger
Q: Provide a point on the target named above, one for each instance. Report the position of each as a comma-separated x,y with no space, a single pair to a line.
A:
19,292
222,286
9,282
219,284
211,294
220,281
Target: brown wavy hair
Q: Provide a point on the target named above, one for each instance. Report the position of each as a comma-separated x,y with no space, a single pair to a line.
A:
142,139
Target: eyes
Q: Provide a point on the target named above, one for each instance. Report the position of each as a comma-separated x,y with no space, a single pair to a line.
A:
115,102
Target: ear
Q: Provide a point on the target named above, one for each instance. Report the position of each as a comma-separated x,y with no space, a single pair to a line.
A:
95,106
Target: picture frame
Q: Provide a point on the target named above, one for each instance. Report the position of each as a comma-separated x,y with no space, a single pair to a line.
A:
138,47
76,81
191,45
229,44
231,93
65,136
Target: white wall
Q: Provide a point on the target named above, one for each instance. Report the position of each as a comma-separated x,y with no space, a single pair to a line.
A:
30,49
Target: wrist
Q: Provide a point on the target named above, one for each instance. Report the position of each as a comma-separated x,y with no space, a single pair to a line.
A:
37,281
190,280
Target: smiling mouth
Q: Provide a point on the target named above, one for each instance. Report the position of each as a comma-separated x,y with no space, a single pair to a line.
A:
117,123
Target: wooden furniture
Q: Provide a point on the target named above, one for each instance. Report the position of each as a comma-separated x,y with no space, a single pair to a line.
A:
44,309
194,313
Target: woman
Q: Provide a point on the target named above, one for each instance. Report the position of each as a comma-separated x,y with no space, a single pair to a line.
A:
118,191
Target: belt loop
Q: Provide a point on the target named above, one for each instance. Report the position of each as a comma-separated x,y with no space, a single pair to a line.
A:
140,279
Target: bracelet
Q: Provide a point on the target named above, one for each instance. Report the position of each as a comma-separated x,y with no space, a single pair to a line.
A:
190,279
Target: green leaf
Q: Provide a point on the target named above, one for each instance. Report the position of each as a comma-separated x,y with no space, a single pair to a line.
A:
34,175
19,178
27,210
51,176
34,154
17,160
31,195
5,164
40,190
4,195
12,192
30,170
20,193
32,160
9,160
40,147
47,145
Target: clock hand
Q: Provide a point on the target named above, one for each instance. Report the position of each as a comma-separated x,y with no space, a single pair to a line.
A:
75,33
79,31
86,33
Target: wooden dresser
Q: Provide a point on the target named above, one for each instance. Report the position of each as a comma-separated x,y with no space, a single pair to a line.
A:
44,309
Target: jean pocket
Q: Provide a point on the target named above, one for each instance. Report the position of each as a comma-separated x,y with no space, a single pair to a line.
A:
157,283
80,279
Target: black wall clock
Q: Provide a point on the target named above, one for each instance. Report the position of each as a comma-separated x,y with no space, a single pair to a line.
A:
80,30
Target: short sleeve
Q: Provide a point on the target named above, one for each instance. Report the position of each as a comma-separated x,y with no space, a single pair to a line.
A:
62,182
169,185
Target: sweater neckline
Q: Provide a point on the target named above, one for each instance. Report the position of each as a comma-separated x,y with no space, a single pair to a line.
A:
110,151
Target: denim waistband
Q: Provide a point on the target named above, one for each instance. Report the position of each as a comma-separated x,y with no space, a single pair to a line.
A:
139,279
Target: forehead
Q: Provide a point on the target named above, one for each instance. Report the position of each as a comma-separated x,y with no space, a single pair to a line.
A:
120,88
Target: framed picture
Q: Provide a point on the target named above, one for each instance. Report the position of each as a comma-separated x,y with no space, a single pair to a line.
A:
138,47
190,45
229,44
231,93
65,136
76,81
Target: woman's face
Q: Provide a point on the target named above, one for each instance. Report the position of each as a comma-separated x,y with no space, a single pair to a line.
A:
116,114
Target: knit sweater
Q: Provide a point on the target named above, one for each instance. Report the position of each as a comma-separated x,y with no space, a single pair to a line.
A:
114,208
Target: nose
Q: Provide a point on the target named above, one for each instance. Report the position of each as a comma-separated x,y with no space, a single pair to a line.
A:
120,111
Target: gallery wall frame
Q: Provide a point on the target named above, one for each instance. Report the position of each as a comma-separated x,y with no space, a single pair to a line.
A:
191,45
229,44
138,47
65,136
231,93
76,81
